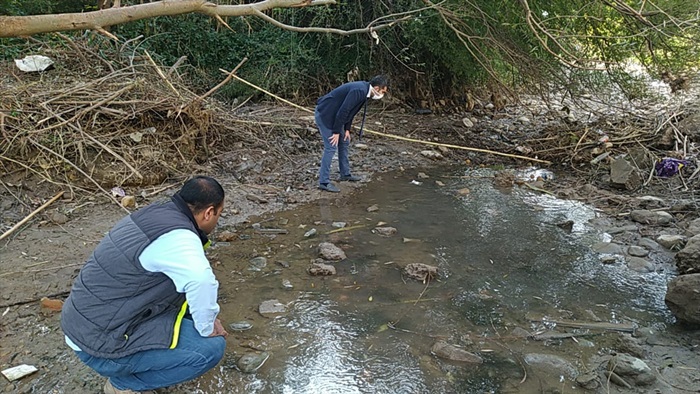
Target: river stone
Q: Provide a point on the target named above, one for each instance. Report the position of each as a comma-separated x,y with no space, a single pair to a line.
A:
330,252
257,263
648,244
59,217
619,230
240,326
651,202
624,175
444,350
683,298
271,307
639,264
631,369
670,241
431,154
321,269
688,259
420,271
251,362
693,228
588,381
644,216
637,251
551,364
607,248
385,231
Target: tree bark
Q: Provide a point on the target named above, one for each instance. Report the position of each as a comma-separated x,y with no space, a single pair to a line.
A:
18,26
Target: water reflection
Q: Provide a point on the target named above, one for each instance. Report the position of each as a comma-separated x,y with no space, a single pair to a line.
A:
502,260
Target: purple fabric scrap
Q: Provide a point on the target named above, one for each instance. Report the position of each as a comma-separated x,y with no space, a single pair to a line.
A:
668,167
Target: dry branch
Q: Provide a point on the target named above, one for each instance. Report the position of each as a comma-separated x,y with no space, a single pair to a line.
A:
31,215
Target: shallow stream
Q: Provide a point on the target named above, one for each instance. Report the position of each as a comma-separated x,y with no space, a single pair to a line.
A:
503,263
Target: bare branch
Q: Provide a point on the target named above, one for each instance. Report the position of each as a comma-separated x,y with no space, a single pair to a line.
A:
298,29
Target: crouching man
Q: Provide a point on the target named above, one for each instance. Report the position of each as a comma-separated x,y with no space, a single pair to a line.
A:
143,310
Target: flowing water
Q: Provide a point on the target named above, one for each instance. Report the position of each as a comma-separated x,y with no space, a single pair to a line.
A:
503,264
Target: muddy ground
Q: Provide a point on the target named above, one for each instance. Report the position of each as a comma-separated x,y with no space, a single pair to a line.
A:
41,258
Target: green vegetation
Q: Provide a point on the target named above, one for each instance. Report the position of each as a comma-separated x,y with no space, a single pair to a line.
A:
445,50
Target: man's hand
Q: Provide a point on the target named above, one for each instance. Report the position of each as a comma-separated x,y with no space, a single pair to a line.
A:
218,330
347,135
334,139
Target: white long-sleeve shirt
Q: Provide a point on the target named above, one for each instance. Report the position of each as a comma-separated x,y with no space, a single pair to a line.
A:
179,255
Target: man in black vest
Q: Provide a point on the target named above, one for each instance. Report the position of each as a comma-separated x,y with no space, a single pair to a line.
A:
334,114
143,309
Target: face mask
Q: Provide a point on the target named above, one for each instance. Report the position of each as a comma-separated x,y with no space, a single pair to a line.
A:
376,95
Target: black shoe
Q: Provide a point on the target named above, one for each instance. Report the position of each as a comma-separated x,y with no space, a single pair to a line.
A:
329,187
350,178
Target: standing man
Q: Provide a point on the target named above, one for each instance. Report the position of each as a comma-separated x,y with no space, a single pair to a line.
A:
334,114
142,311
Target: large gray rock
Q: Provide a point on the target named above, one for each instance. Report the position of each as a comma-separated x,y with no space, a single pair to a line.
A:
651,217
607,248
683,298
671,241
624,175
631,369
552,364
688,259
328,251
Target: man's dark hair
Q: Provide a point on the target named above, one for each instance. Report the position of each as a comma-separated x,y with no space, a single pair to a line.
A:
201,192
379,81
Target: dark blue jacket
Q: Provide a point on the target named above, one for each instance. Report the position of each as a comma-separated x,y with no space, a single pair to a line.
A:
337,108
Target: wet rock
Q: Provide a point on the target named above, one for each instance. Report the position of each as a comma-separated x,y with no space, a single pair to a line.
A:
271,307
670,241
256,198
321,269
659,218
629,345
422,175
608,259
639,264
330,252
240,326
444,350
551,364
693,228
373,208
688,259
607,248
257,263
59,217
431,154
251,362
283,264
463,191
637,251
648,244
588,381
385,231
420,271
567,226
624,175
683,298
633,370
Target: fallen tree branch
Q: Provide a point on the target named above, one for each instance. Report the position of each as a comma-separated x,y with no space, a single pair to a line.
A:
391,135
31,215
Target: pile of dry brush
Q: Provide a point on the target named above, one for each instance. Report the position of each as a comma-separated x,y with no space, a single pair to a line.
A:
106,120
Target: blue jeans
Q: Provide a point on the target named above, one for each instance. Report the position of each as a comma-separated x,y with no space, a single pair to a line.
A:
324,176
152,369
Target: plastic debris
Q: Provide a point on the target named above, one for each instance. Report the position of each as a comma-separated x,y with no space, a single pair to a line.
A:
668,167
19,371
118,192
34,63
533,174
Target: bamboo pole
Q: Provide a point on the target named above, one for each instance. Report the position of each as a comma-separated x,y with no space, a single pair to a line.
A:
31,215
236,77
